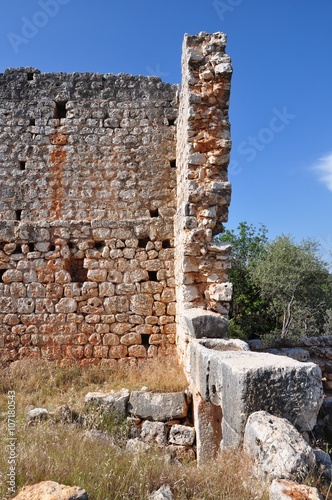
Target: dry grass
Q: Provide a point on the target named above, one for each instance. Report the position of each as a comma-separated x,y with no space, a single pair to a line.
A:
54,451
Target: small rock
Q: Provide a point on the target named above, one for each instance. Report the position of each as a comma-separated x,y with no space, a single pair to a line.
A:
164,493
282,489
114,402
50,490
37,414
158,406
278,448
182,435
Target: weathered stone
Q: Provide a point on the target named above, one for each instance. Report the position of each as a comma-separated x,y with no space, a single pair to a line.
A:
115,402
278,448
182,435
158,406
203,323
37,414
282,489
50,490
154,433
66,306
163,493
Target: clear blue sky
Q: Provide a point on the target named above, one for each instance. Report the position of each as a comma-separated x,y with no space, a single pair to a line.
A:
281,105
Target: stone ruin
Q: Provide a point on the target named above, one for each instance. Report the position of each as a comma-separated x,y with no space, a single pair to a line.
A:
112,189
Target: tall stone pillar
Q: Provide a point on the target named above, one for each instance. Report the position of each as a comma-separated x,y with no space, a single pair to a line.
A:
203,190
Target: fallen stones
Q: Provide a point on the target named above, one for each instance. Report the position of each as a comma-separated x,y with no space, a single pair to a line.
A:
164,493
282,489
158,406
278,449
50,490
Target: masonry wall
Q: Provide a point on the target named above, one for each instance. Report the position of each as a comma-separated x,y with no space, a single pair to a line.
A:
88,194
112,188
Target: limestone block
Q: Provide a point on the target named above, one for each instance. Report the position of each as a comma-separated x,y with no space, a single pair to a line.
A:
25,306
220,292
49,490
158,406
141,304
12,275
131,338
244,382
154,433
278,449
282,489
114,402
137,351
118,351
111,339
182,435
202,323
116,304
66,305
97,275
135,445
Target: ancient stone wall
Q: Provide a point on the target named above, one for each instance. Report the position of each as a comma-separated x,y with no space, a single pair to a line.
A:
95,184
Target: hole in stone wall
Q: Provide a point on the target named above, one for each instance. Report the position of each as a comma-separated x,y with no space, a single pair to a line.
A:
22,165
71,245
145,339
60,110
18,249
172,163
2,244
76,270
30,76
18,214
154,213
166,244
31,247
152,275
99,245
2,271
32,121
171,121
52,248
143,242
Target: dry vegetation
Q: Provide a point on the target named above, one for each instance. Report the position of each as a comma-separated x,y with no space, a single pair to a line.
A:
60,452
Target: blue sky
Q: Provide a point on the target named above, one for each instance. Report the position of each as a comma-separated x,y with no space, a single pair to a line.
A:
281,105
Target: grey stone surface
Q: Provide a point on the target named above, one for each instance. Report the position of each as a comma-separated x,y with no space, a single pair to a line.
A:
202,323
245,382
154,433
182,435
37,414
295,353
282,489
163,493
158,406
115,402
278,449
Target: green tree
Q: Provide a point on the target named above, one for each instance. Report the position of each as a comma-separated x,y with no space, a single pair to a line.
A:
296,285
249,312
